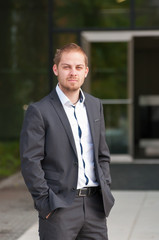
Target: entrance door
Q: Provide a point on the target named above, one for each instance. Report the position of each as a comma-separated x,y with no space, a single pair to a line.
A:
125,70
109,82
146,97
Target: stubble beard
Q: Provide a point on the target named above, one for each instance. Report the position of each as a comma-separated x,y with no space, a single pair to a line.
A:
72,87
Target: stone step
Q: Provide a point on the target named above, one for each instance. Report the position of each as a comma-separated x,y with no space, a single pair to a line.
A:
137,175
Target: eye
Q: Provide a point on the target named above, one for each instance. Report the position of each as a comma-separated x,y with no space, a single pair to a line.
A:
79,67
66,67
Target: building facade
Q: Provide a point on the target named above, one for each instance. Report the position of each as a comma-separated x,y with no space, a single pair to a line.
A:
122,40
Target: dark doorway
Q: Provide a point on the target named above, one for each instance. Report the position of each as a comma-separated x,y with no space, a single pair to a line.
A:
146,97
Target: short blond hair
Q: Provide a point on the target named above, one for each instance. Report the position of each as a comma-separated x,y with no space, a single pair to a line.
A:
68,48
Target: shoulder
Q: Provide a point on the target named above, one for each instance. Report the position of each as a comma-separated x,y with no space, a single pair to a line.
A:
92,99
43,103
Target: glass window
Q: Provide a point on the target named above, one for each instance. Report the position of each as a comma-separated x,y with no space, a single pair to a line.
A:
91,13
23,62
116,121
109,70
147,13
109,83
60,39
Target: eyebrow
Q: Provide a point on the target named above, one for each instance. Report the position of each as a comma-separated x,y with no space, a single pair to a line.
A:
80,64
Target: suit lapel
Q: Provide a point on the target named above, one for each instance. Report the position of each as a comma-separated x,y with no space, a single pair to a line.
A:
91,113
91,118
63,117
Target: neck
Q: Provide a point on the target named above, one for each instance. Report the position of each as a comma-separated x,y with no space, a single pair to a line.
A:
74,103
73,96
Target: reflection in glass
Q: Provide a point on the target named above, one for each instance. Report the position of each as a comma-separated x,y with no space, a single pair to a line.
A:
116,121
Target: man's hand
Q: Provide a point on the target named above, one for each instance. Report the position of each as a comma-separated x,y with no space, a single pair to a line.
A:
48,215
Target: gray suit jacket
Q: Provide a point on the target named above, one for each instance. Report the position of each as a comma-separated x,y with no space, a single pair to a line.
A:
48,154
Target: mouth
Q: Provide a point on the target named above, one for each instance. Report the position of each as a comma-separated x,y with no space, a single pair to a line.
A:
72,80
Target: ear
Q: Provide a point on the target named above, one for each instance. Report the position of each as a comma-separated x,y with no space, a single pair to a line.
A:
55,69
86,71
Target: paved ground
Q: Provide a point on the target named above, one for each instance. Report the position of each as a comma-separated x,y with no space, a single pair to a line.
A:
135,215
16,208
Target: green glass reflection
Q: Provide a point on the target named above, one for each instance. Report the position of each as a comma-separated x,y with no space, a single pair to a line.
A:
116,121
147,13
23,62
61,39
109,81
88,13
109,70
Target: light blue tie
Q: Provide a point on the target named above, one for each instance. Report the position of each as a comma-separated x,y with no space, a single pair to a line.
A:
80,135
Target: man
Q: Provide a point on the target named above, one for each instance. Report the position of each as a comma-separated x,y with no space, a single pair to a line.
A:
65,159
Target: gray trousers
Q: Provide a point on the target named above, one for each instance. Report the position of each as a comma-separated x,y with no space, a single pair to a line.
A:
83,220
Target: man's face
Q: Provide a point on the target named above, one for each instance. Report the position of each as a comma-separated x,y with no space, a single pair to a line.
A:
71,71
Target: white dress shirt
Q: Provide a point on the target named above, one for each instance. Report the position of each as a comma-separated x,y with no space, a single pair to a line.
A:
86,139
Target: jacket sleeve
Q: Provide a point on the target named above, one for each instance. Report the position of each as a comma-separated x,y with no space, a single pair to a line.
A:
103,151
32,142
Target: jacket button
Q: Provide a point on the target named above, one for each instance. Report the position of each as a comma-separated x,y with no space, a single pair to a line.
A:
75,163
73,189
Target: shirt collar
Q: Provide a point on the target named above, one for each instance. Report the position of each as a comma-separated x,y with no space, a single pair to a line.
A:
65,100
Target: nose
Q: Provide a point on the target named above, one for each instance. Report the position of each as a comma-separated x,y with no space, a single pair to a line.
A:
73,71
